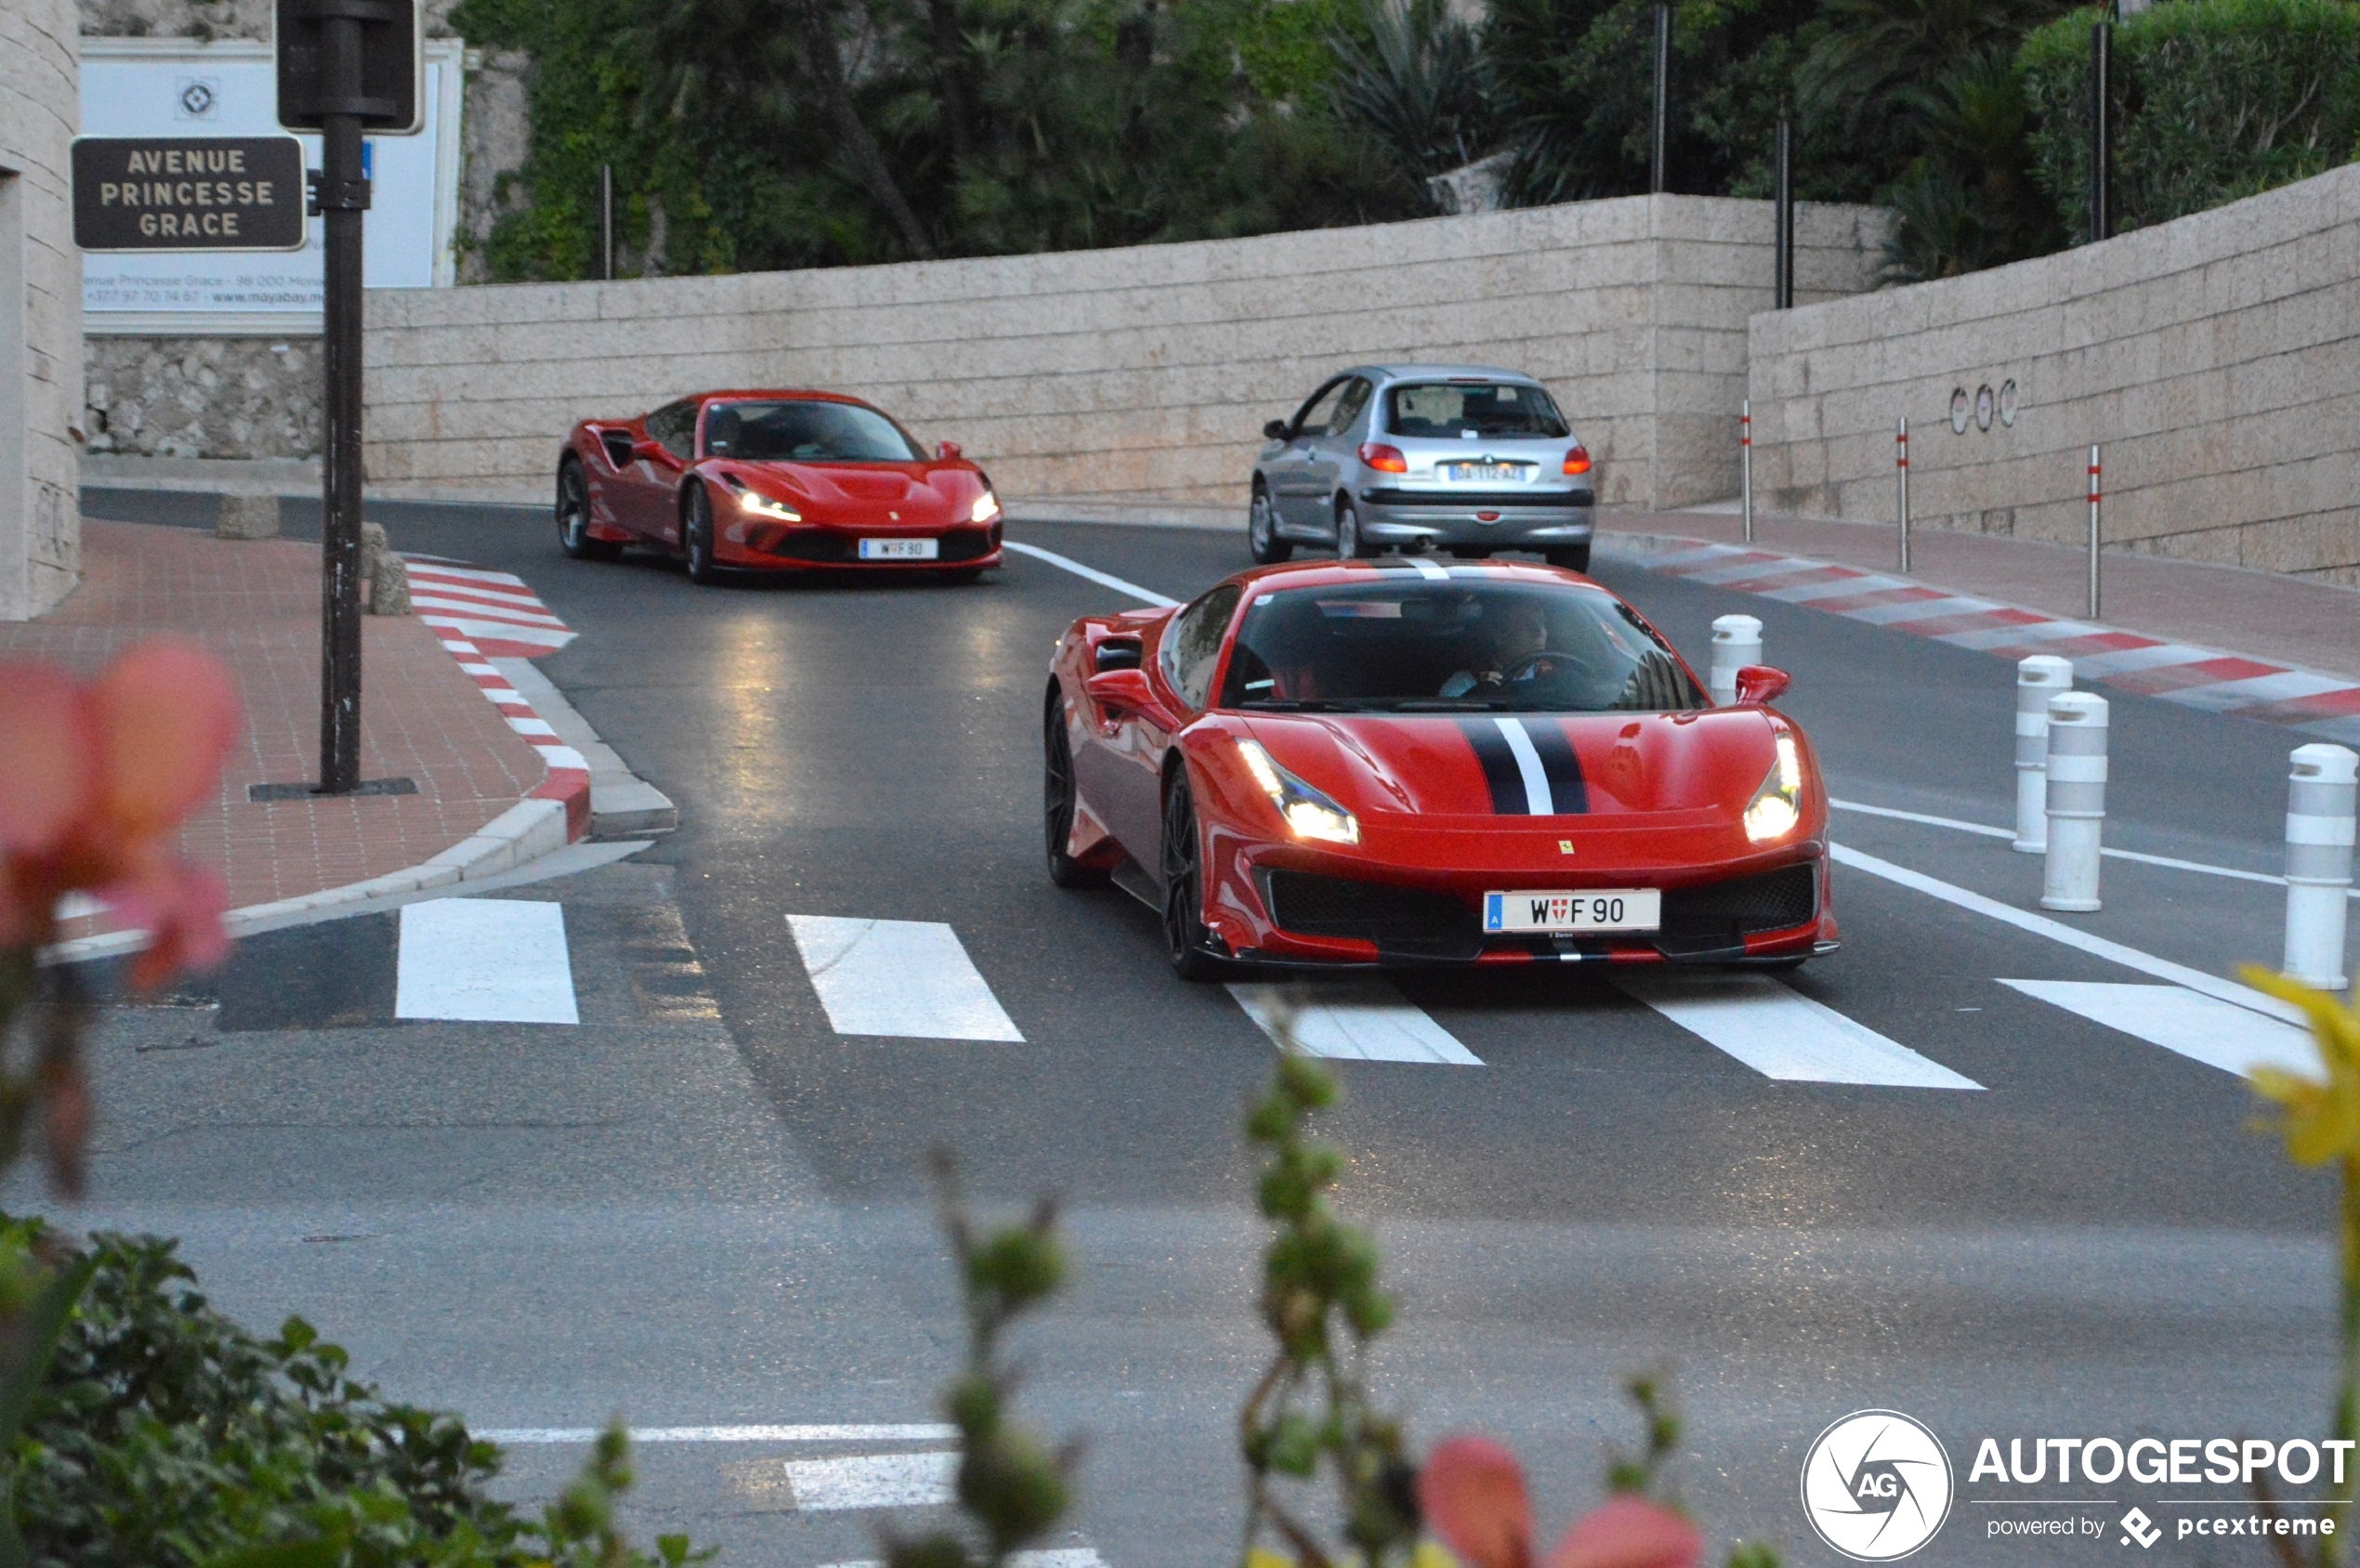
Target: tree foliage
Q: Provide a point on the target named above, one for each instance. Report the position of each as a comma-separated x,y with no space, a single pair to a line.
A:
2214,99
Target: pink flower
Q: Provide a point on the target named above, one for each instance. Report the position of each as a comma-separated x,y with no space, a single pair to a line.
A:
94,782
1473,1495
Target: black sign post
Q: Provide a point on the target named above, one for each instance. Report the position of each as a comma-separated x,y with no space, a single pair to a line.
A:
345,66
187,193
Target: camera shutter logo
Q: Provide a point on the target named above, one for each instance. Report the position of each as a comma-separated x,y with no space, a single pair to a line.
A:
1877,1485
199,98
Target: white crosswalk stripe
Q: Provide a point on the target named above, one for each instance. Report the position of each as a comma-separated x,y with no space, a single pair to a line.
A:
907,979
872,1481
1782,1034
2202,1029
486,961
1358,1020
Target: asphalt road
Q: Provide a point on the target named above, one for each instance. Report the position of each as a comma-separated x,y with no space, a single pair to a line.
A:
704,1204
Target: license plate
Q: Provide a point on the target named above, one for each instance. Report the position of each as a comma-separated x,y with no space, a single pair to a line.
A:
1597,908
1516,471
900,549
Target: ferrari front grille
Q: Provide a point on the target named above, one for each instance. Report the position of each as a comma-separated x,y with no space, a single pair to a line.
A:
1725,913
1409,921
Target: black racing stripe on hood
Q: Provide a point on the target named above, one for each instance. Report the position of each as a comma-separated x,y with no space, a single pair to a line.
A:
1566,787
1500,770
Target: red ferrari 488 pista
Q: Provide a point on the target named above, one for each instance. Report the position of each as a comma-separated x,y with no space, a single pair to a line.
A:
1399,762
774,481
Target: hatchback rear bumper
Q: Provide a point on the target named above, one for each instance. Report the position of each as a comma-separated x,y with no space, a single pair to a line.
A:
1484,522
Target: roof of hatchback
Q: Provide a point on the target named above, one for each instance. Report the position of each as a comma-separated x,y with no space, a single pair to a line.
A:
1444,372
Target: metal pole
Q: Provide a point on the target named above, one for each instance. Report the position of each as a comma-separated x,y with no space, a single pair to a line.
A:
1657,159
2093,531
1744,464
1901,472
344,196
606,221
1782,267
2101,131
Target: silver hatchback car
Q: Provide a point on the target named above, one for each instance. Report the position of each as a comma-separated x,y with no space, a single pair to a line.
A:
1462,458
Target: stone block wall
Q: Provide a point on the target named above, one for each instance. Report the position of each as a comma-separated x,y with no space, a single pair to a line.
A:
201,397
2214,359
1146,372
40,309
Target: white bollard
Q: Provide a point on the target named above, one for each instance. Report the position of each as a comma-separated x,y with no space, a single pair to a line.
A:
2320,794
1736,642
2076,801
2037,679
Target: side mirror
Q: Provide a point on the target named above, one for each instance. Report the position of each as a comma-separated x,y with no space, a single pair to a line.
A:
1275,431
1760,683
1119,689
947,452
654,452
1116,653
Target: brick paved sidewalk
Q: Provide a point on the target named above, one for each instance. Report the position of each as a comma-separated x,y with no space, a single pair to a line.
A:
2263,615
256,604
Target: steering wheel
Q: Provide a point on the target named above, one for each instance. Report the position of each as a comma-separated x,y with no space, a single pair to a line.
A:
1537,667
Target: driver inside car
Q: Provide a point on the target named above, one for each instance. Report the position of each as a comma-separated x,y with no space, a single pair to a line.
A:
1516,643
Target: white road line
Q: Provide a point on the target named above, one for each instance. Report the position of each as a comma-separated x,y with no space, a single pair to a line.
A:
899,978
424,566
2198,1027
928,1431
1103,578
1782,1034
1987,830
2057,931
872,1481
1358,1020
485,960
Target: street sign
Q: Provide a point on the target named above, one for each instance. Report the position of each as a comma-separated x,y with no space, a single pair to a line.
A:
187,193
391,93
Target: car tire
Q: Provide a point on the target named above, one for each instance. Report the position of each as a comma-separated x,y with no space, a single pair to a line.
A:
1573,557
696,537
574,516
1263,539
1057,797
1185,938
1350,546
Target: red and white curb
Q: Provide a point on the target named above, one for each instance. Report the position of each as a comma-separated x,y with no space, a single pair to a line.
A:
2182,673
503,618
494,610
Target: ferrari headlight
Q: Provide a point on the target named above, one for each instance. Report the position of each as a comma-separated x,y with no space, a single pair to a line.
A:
756,504
1306,811
1776,807
987,507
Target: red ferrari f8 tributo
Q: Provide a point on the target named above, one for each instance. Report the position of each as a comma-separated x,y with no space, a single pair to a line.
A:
1399,762
774,481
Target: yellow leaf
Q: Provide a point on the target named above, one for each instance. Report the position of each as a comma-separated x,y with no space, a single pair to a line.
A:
1262,1557
1433,1554
2320,1120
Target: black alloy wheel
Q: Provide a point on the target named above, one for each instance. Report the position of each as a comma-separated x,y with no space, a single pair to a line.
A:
696,536
1057,797
1262,532
1573,557
574,516
1350,546
1184,930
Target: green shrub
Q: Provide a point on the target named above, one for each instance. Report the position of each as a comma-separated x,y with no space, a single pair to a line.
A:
164,1435
2214,99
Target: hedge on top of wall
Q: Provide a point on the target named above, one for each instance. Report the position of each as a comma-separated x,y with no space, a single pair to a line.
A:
2213,101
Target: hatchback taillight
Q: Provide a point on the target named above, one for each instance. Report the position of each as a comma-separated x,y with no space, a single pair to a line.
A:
1577,461
1383,458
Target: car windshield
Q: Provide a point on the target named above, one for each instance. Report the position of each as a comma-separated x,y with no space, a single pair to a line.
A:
812,432
1454,409
1454,647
